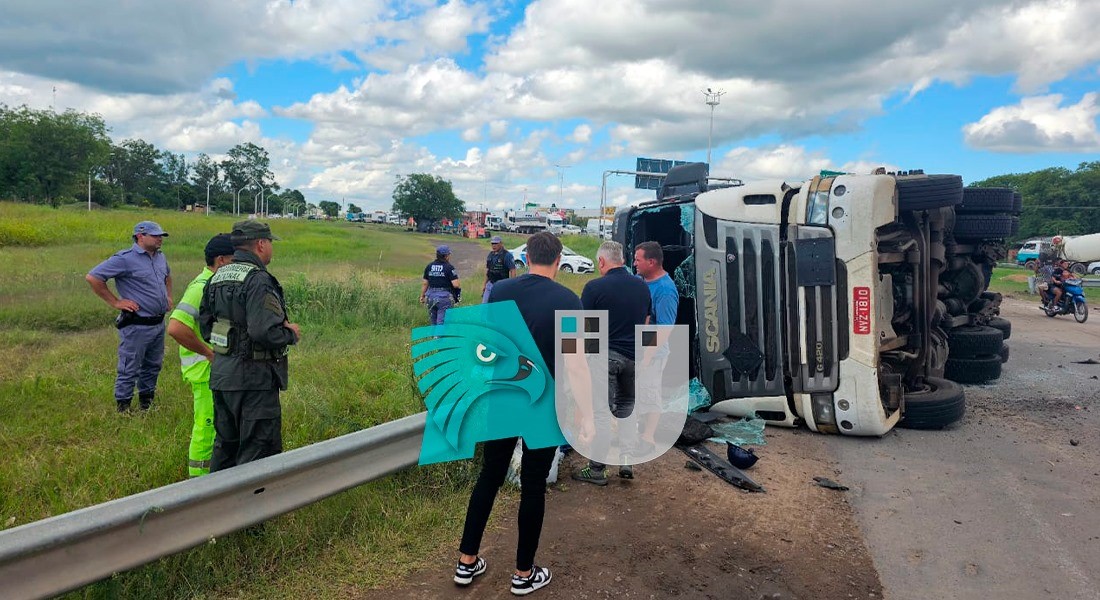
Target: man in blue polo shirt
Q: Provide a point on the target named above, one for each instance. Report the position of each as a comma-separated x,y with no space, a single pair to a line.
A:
626,300
649,262
144,284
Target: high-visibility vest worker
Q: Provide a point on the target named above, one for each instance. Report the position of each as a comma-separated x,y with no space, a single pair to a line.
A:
194,355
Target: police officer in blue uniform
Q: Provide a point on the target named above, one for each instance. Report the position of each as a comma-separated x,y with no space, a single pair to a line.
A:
441,289
144,284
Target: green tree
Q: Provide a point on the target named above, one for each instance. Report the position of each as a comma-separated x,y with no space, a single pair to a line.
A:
44,155
352,208
426,197
1056,200
248,165
136,164
330,208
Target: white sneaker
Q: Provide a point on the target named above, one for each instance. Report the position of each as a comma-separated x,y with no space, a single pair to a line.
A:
539,577
464,574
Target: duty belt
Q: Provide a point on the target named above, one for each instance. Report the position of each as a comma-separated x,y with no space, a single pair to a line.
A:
269,354
435,289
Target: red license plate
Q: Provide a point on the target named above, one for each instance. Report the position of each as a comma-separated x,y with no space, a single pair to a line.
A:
861,302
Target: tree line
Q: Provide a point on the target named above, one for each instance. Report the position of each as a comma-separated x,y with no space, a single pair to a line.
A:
53,158
1057,200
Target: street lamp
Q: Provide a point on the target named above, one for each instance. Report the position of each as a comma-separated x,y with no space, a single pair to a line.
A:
561,180
712,100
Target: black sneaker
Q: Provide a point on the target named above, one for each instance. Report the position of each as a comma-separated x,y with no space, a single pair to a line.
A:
539,578
464,574
626,472
590,475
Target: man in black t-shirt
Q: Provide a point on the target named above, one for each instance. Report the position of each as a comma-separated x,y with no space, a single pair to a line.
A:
441,289
538,297
1057,280
626,299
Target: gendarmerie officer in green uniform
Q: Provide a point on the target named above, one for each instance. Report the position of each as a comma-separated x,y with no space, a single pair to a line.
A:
243,316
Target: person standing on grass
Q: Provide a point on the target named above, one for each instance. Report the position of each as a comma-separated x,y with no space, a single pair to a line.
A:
626,300
196,355
649,261
537,296
243,317
499,266
441,289
144,283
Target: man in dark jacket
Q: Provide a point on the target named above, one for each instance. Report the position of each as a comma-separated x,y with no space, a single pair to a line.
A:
243,316
499,266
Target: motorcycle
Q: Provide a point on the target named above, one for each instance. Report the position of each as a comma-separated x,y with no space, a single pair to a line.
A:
1071,303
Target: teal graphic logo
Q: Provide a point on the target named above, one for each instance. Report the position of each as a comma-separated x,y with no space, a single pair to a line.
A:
482,378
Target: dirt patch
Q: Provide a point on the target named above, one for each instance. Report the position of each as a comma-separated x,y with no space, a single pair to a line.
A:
678,533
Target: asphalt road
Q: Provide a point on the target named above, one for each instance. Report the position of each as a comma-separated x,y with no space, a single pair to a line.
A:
1001,505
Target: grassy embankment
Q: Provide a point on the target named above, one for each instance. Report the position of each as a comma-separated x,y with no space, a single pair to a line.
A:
1013,282
353,290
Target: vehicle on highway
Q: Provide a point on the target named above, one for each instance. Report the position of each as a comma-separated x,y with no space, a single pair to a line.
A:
570,230
1028,254
1094,268
571,262
1071,303
832,302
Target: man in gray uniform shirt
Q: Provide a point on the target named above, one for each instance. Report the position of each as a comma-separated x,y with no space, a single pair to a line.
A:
144,284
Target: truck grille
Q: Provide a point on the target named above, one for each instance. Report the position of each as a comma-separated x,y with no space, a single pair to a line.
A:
738,286
814,278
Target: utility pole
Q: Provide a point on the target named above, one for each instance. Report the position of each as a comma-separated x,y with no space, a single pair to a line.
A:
712,100
561,180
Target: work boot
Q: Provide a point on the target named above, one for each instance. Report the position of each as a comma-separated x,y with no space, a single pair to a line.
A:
146,401
123,407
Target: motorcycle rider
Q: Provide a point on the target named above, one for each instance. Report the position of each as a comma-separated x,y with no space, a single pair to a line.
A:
1045,273
1057,281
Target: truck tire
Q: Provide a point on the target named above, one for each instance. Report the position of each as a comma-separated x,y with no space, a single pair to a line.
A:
974,340
1004,354
980,369
1078,268
987,200
1017,202
981,227
1003,324
1031,264
926,192
935,406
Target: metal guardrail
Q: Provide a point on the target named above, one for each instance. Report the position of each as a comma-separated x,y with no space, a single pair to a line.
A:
62,553
1090,283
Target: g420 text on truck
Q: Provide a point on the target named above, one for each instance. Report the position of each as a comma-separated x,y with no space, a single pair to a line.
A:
847,303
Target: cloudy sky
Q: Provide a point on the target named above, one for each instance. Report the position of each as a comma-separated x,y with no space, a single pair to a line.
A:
348,94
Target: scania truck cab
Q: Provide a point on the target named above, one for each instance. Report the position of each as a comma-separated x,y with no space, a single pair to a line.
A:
812,303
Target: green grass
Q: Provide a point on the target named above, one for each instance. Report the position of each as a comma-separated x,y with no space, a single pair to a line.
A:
352,288
1013,282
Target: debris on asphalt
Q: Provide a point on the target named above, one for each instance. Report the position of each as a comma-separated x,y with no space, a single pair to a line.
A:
720,467
825,482
1091,361
1073,442
745,432
740,457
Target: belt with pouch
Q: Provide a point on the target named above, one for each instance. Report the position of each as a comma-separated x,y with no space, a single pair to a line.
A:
126,318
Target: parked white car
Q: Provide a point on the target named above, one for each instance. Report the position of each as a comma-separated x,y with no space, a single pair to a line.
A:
1094,267
571,262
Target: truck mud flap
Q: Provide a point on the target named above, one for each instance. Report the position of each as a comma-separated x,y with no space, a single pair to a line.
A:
721,467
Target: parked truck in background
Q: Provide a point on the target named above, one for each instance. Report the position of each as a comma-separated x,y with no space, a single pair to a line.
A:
598,227
1080,251
846,303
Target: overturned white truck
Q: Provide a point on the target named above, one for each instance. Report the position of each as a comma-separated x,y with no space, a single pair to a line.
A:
830,303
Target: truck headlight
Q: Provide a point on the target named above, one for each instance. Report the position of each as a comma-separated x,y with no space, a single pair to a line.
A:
824,413
817,213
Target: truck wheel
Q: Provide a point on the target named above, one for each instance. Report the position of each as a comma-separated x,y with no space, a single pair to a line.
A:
924,192
1003,324
981,227
979,369
1004,354
1033,264
969,341
986,200
1078,268
1017,202
935,405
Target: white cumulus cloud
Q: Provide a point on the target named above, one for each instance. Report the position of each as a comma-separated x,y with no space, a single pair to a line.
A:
1039,124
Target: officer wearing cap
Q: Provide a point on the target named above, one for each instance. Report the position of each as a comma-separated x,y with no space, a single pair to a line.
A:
441,289
498,265
144,284
243,317
195,354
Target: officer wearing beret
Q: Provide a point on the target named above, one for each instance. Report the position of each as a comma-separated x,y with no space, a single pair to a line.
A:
243,317
144,284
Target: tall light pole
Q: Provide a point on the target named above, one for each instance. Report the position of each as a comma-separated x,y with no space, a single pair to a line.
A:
561,180
712,99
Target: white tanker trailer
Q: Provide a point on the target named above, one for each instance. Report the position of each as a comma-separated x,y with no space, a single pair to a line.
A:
1079,251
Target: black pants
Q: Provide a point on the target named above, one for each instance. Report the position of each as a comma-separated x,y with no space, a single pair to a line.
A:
532,503
248,426
620,397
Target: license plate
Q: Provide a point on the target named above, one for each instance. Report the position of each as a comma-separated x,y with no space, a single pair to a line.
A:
861,302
